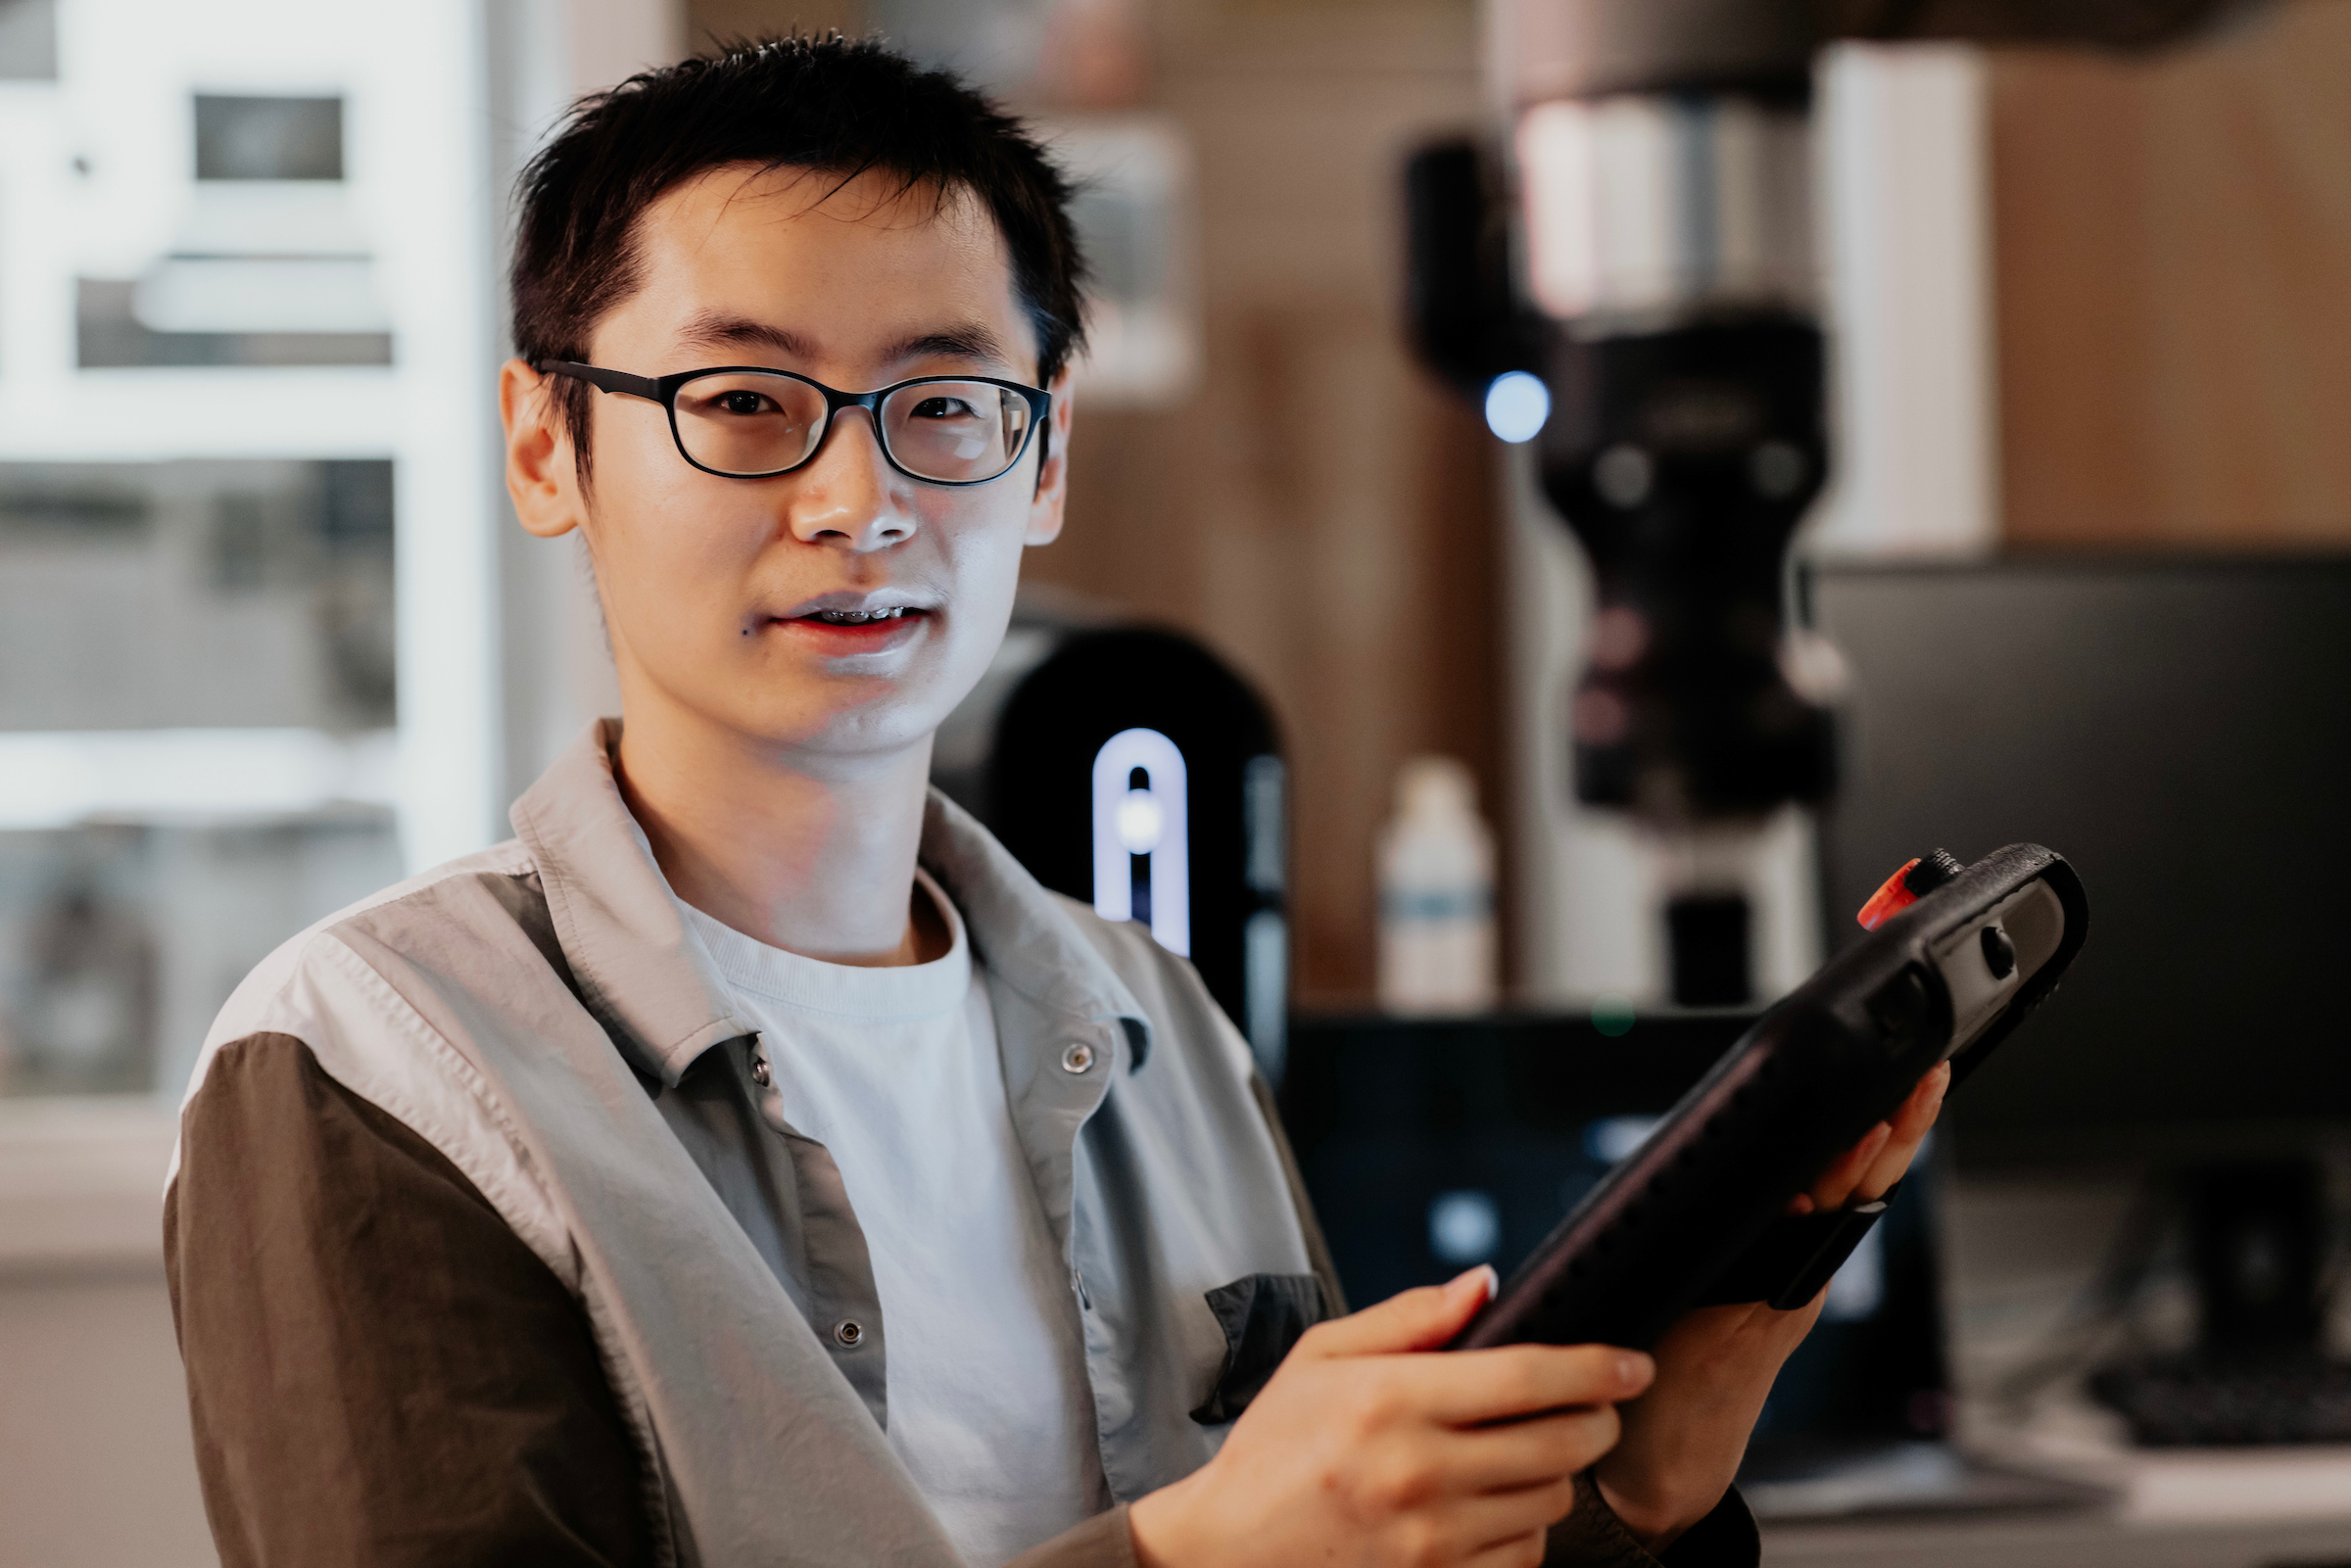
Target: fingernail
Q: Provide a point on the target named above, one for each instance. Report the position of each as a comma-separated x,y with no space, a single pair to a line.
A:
1634,1370
1489,1283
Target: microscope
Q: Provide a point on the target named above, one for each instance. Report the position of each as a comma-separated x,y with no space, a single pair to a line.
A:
1628,271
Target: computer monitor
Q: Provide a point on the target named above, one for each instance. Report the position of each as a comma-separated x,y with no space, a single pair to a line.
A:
2179,729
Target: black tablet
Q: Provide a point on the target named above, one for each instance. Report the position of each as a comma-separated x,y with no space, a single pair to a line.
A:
1958,958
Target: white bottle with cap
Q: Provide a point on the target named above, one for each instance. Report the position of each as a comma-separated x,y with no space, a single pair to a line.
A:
1436,894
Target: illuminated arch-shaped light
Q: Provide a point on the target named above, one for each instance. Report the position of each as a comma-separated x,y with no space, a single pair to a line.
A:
1149,822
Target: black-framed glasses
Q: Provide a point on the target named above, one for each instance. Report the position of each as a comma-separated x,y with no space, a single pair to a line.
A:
750,422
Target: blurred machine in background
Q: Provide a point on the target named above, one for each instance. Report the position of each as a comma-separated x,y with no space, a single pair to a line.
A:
1633,286
2180,727
1130,768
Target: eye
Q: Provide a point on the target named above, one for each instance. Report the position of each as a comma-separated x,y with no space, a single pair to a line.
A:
745,403
942,406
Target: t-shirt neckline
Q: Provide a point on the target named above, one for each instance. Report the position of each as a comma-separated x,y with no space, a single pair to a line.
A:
901,991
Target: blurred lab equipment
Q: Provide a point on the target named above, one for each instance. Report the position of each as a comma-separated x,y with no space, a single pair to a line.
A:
1130,768
83,1015
1629,282
201,747
1436,894
2180,726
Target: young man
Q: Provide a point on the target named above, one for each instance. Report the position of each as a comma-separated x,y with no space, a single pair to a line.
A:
749,1162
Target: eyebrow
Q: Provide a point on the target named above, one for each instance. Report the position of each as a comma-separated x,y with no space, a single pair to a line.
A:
970,339
715,331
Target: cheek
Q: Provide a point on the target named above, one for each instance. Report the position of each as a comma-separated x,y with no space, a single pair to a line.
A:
981,544
667,550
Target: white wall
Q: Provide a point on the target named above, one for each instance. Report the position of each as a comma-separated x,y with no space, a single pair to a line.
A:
99,1469
1916,467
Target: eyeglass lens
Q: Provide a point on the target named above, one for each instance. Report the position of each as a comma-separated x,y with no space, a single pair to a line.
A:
745,422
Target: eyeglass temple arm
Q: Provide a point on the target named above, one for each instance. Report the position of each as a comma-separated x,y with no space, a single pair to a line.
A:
619,381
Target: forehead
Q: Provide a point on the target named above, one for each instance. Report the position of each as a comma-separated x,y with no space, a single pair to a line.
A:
846,262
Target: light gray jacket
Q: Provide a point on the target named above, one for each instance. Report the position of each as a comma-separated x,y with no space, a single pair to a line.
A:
1132,1098
462,1228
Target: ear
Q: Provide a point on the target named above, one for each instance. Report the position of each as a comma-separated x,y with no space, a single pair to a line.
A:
1053,474
541,475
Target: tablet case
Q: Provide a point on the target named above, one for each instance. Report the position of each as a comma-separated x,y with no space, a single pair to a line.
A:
1697,1214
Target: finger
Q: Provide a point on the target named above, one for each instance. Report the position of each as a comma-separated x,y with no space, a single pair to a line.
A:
1493,1528
1499,1519
1420,1319
1471,1386
1910,1129
1527,1453
1836,1184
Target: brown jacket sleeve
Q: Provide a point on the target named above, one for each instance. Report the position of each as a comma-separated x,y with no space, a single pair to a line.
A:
380,1372
1593,1537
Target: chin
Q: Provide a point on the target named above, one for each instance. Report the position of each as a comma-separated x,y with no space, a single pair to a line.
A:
866,723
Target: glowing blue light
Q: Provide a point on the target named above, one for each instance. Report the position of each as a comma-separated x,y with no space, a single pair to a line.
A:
1611,1138
1516,405
1466,1227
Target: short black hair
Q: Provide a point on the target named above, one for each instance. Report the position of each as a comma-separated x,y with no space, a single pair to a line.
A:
837,106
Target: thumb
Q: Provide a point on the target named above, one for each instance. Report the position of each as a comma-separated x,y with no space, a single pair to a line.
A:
1413,1321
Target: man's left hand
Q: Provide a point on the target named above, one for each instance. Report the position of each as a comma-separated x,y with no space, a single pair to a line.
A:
1684,1438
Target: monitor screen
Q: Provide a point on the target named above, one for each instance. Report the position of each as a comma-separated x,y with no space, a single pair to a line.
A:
2181,730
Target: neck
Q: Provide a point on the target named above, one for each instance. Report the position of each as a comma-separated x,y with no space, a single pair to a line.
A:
801,854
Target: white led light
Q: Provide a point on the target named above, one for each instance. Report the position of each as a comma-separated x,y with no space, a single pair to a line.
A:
1140,821
1149,820
1516,405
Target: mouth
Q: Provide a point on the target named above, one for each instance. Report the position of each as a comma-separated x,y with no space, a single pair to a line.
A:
851,625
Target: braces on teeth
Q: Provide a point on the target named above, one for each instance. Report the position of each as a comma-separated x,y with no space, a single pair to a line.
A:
859,617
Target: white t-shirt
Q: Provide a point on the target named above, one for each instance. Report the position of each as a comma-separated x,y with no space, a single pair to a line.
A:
895,1073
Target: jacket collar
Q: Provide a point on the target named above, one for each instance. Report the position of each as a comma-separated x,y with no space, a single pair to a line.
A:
651,984
1023,932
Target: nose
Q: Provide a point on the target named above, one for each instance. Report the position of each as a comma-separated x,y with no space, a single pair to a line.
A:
844,498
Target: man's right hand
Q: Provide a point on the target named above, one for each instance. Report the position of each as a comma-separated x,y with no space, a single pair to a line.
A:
1364,1450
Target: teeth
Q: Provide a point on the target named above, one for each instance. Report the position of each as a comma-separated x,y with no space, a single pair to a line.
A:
859,617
